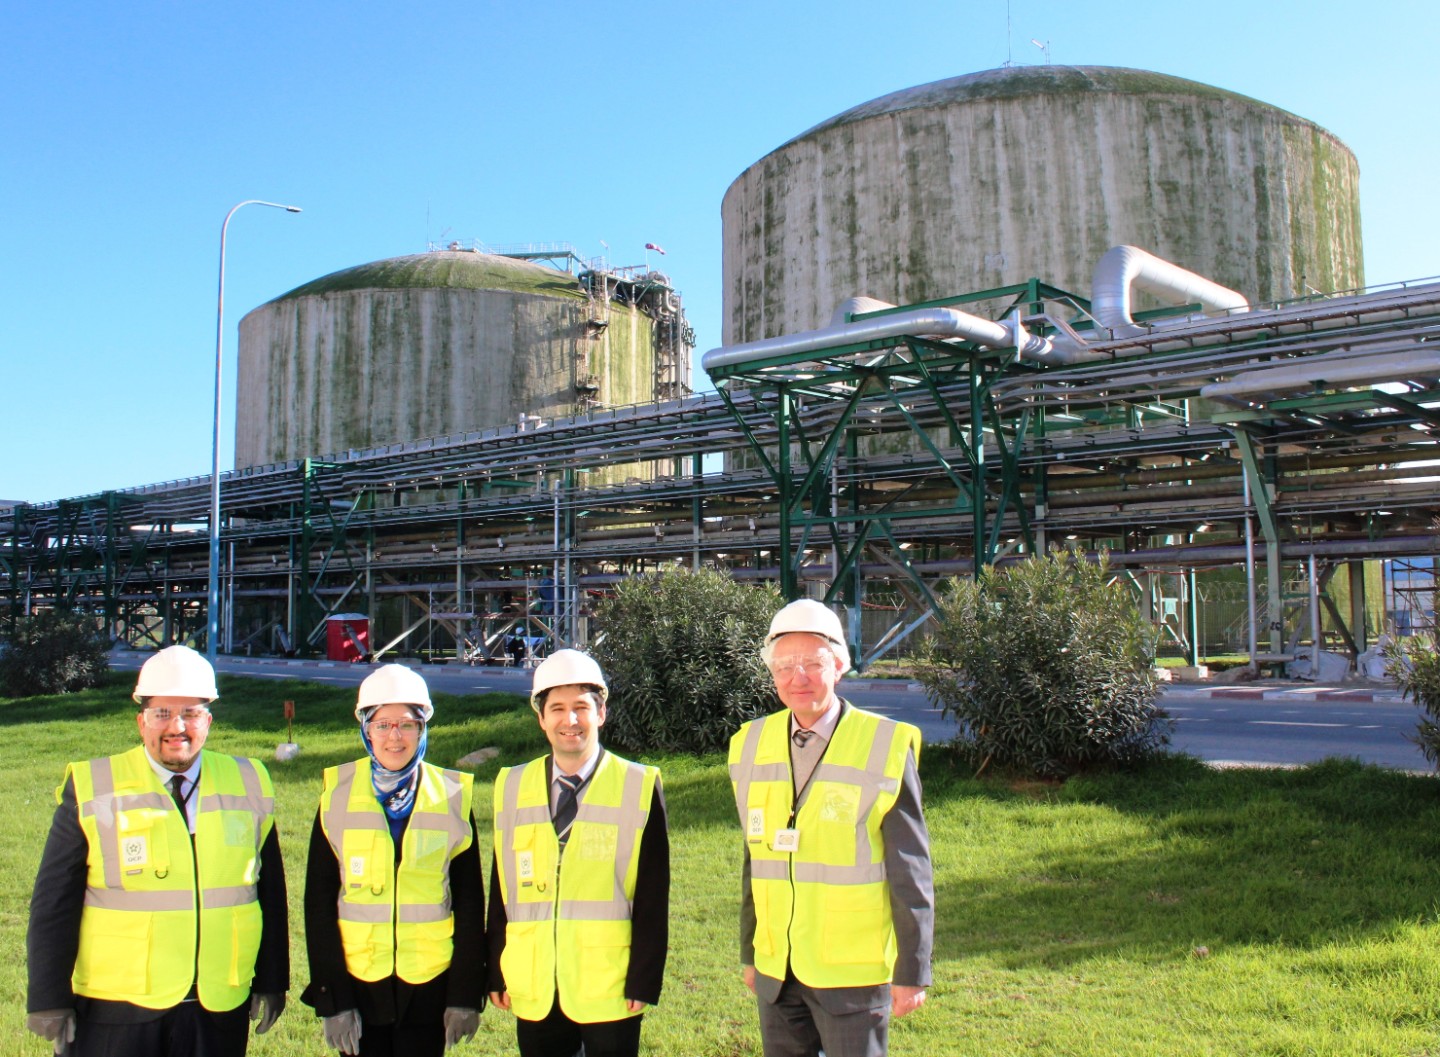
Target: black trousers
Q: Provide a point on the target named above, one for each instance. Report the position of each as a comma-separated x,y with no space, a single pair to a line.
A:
402,1040
559,1036
187,1030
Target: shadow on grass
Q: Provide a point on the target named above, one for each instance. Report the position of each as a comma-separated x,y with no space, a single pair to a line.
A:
1176,855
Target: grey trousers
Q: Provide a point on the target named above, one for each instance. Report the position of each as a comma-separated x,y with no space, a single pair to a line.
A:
797,1024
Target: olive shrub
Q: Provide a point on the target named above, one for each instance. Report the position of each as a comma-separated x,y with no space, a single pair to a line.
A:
680,651
53,652
1047,665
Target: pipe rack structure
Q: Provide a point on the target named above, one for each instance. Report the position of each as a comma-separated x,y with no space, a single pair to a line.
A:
864,466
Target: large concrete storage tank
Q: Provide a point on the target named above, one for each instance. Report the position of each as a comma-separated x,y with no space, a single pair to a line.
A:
437,343
994,177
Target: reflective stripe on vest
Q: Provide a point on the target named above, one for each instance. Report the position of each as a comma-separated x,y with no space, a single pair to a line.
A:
139,922
578,900
391,923
822,911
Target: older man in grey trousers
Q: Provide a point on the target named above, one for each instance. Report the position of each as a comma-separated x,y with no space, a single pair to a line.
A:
838,905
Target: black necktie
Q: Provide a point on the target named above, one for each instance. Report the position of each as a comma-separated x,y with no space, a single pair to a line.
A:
565,809
801,736
176,784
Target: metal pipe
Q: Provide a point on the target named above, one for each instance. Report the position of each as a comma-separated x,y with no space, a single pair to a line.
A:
919,322
1314,372
1124,267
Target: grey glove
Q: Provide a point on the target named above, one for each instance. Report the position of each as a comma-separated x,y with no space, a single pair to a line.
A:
460,1025
342,1031
266,1009
54,1025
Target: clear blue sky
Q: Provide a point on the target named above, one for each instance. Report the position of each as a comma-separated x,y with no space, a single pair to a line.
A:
129,130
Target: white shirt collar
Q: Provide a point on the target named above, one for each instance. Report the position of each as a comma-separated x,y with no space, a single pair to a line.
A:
191,773
825,725
586,769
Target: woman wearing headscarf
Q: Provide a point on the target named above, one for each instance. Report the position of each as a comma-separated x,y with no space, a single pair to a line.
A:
394,901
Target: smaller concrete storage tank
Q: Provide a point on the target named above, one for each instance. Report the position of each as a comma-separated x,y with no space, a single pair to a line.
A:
445,342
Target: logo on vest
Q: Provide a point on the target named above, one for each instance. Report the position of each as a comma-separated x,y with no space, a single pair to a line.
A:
841,804
755,829
525,864
598,842
135,851
239,831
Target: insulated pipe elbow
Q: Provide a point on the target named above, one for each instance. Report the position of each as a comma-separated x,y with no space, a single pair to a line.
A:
1125,267
919,322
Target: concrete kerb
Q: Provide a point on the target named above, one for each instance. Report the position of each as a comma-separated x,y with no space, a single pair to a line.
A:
1299,694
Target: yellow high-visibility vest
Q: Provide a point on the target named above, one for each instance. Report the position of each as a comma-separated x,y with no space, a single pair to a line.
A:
577,903
142,939
396,924
823,909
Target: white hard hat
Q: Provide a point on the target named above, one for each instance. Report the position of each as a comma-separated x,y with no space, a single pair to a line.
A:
394,684
567,668
176,671
807,616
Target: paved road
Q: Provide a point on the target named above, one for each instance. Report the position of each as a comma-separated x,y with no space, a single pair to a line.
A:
1225,725
1301,727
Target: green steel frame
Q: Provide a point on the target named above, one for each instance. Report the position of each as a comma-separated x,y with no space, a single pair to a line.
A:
907,460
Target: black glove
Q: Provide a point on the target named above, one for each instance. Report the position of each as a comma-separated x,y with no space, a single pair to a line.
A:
266,1009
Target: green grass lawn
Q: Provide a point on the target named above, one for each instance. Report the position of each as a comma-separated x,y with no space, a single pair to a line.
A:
1178,911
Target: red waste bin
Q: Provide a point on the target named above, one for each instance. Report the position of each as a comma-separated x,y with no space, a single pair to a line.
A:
347,637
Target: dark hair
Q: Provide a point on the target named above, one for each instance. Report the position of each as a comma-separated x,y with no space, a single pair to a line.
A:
589,688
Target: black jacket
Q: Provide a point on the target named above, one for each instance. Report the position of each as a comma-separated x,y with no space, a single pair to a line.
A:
333,990
649,914
53,939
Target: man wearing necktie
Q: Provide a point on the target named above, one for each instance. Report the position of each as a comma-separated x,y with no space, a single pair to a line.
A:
837,897
158,924
578,926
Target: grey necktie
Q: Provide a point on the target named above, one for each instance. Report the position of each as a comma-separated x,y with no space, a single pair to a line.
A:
809,747
566,807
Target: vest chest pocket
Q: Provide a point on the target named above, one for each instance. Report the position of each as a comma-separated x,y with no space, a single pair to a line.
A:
598,841
428,852
363,865
141,845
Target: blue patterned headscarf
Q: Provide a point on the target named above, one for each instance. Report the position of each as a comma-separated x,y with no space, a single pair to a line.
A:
395,790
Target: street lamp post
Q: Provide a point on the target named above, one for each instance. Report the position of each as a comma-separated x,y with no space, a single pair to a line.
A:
213,608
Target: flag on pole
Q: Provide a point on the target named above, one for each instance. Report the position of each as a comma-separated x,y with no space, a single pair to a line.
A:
657,249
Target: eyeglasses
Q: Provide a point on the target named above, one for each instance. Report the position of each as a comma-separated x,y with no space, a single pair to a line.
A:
194,716
792,666
407,728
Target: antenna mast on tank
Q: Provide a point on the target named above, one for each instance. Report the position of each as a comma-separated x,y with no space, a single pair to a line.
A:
1009,58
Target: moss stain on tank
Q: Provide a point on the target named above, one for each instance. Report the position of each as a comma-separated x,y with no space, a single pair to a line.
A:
423,346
